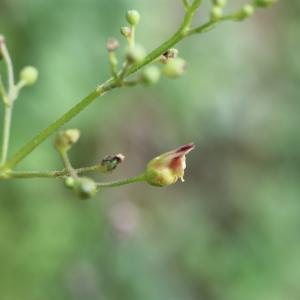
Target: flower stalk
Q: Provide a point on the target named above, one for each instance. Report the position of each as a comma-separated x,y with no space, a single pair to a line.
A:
162,170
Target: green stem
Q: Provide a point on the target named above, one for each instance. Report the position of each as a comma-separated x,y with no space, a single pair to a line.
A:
6,133
44,134
52,174
8,98
118,183
67,164
110,84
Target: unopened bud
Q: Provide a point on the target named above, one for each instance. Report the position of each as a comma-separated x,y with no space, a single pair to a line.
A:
29,75
167,168
174,67
216,13
246,12
265,3
65,139
112,44
85,188
69,182
220,3
151,75
133,17
135,54
125,31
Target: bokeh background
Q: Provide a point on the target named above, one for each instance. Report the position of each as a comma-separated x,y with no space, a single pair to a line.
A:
230,232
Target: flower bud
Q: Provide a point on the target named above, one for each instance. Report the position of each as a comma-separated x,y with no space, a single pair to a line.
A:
85,187
112,44
135,54
125,31
69,182
29,75
133,17
246,12
166,168
264,3
65,139
151,75
220,3
174,67
216,13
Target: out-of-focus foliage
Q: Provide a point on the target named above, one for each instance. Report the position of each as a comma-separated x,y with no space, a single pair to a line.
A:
230,232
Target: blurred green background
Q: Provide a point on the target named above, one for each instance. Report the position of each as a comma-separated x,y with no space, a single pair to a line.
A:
230,232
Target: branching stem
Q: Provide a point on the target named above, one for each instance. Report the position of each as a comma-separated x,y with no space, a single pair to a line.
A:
183,32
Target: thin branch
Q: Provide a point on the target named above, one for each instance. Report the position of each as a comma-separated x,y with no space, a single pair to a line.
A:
53,174
118,183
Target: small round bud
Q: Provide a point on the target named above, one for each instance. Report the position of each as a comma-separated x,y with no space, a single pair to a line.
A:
175,67
151,75
264,3
133,17
65,139
29,75
85,188
220,3
247,11
135,54
125,31
112,44
69,182
216,13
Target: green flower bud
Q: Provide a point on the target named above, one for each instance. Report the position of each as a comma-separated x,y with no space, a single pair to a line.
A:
247,11
125,31
29,75
135,54
65,139
69,182
264,3
85,188
220,3
151,75
133,17
216,13
174,67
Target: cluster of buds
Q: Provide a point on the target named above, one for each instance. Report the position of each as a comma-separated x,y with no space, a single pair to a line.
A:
173,66
245,12
84,187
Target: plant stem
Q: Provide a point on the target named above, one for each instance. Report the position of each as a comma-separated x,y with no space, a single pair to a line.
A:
53,174
181,33
44,134
8,98
118,183
67,164
6,133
